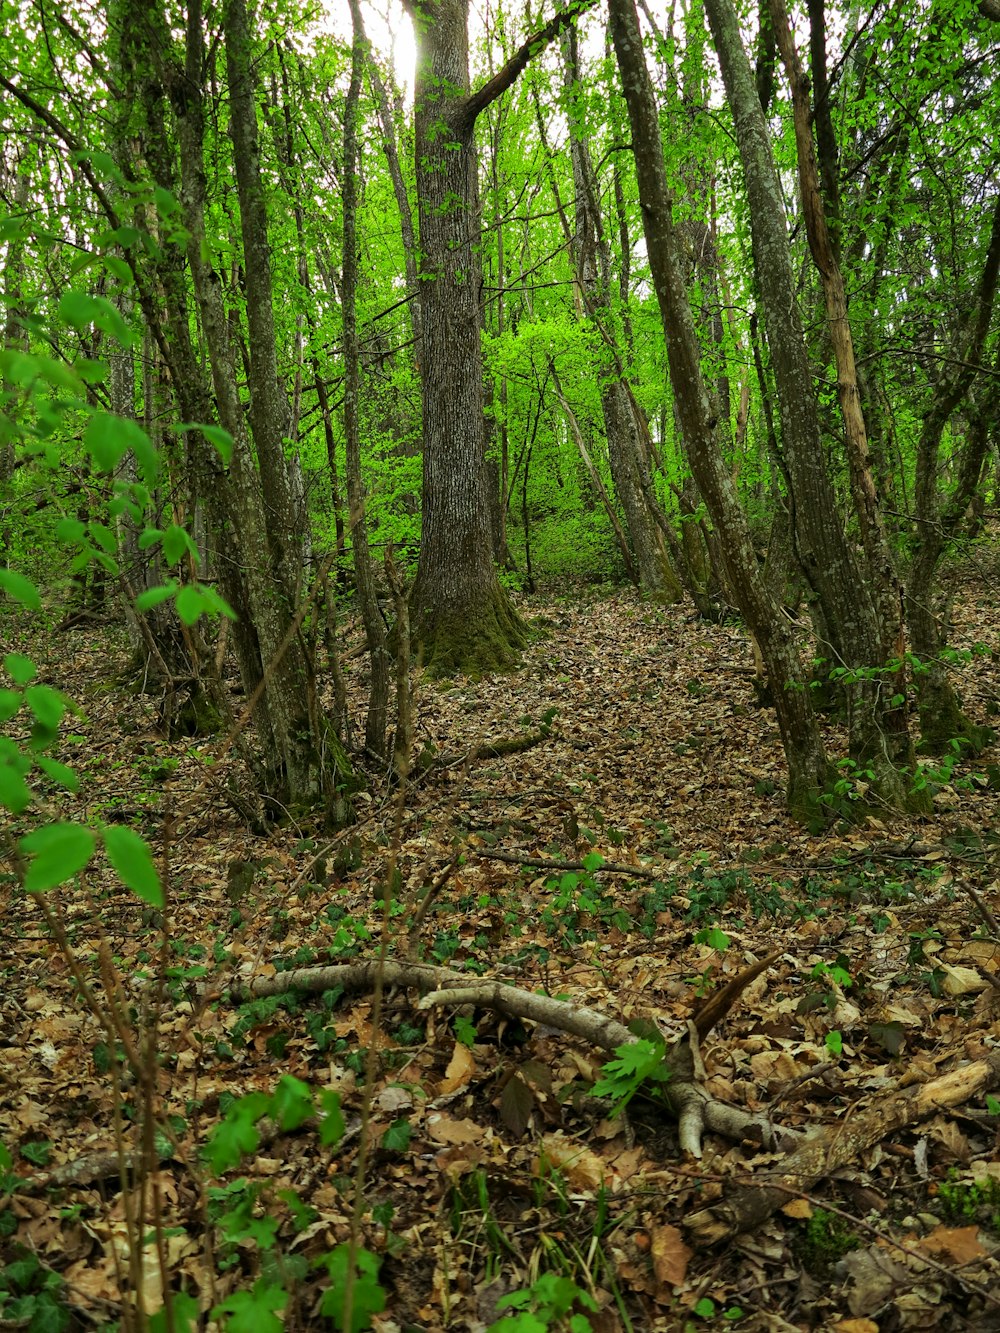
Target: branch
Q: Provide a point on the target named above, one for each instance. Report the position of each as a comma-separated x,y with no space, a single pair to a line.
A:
694,1108
503,79
836,1145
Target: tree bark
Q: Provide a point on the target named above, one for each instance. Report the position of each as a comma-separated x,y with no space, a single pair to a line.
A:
364,573
462,617
808,768
860,641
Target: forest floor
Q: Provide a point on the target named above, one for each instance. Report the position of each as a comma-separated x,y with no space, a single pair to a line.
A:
491,1164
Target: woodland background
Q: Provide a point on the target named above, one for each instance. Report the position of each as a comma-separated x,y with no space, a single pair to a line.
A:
532,517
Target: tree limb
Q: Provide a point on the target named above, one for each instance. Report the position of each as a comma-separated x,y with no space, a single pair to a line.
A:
750,1204
502,80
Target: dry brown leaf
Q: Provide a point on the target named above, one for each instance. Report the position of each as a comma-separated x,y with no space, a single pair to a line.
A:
800,1208
443,1129
582,1168
461,1068
959,1244
670,1255
961,980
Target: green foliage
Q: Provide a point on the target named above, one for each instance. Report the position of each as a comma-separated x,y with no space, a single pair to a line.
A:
288,1106
368,1296
823,1239
548,1303
31,1295
635,1063
254,1311
961,1202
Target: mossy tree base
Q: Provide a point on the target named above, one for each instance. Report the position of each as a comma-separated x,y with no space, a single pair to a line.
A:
319,785
485,638
944,725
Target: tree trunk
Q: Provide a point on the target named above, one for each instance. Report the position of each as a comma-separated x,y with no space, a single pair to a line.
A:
808,769
462,617
592,263
364,573
861,642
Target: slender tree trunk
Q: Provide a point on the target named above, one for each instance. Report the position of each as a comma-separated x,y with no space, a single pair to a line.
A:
364,573
592,263
938,523
860,639
808,768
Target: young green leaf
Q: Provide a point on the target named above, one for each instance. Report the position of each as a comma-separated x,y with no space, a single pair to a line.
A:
57,852
20,669
20,589
131,857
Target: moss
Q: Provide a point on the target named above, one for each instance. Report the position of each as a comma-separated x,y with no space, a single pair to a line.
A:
942,721
197,716
489,638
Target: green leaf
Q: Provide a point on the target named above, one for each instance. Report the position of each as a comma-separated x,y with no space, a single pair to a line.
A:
14,792
714,938
10,702
58,852
60,773
368,1294
165,202
149,537
184,1315
835,1043
70,530
292,1102
190,604
177,543
332,1126
108,438
237,1135
154,596
992,1105
21,669
465,1030
131,857
222,440
17,587
397,1137
254,1311
214,604
705,1308
103,537
47,704
77,309
593,861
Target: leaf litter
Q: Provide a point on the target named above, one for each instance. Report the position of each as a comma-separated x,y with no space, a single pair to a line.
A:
491,1162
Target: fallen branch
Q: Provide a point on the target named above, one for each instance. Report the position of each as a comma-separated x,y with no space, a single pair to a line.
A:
694,1108
428,759
749,1205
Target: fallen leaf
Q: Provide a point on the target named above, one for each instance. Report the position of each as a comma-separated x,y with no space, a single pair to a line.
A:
461,1068
443,1129
800,1208
959,1244
670,1255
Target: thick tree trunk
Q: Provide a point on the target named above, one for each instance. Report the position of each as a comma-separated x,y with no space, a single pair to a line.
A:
808,769
462,617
